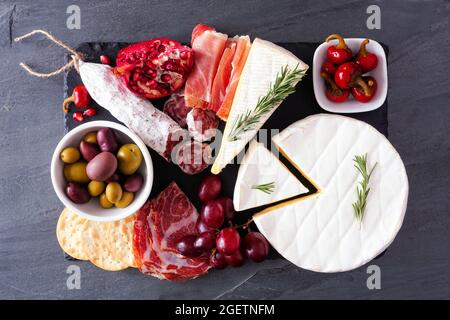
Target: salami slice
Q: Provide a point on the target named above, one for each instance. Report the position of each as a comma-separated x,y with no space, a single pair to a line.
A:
202,124
193,157
176,108
159,225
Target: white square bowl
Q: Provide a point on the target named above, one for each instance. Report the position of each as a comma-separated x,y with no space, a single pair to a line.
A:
351,105
92,210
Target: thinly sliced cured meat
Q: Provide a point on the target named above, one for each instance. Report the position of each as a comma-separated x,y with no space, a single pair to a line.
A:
237,65
208,46
159,225
223,75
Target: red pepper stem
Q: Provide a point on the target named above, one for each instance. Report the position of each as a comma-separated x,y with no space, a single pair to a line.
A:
361,83
362,48
334,87
341,44
66,102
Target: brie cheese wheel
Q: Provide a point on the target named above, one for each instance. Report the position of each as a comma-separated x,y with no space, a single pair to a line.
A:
262,179
264,62
322,233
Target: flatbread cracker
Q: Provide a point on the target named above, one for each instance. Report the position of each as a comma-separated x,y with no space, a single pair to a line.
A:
69,234
96,245
120,240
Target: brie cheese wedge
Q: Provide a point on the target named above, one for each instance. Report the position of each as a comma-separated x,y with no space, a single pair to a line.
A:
263,179
264,64
322,233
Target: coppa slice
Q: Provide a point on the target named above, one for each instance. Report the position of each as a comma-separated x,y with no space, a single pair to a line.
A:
208,46
322,233
263,179
270,74
160,224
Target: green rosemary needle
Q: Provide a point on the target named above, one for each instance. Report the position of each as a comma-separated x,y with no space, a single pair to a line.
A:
265,187
362,189
283,86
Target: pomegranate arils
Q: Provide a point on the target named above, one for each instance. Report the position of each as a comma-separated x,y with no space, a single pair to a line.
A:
105,59
143,67
78,116
90,112
166,77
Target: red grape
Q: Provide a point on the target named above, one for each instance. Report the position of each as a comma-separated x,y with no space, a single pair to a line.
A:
212,214
218,261
186,246
236,259
228,241
202,227
209,188
256,246
205,242
228,207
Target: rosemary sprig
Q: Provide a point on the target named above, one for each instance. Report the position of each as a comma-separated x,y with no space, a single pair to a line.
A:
265,187
284,85
362,190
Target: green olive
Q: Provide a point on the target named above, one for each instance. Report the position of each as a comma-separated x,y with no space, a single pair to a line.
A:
70,155
113,192
91,137
104,202
96,188
76,172
130,158
126,199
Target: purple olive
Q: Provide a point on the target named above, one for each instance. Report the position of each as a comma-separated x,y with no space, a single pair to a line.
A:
102,166
133,183
77,193
88,150
107,140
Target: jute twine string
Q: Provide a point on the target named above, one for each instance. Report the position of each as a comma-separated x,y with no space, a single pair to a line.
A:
76,56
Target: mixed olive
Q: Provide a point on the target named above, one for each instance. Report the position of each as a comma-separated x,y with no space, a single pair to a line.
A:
100,167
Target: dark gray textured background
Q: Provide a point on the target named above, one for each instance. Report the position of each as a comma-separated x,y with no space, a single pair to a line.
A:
31,124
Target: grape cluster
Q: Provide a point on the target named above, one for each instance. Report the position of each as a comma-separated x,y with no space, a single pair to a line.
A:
218,237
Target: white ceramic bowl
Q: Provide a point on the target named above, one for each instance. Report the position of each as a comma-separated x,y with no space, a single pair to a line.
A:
92,210
351,105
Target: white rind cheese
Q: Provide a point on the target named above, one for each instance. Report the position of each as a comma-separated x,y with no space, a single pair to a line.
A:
322,233
264,62
260,166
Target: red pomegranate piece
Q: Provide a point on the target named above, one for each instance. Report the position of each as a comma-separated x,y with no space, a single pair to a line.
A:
160,224
154,68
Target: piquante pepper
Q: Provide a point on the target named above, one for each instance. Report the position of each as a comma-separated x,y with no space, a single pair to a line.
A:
328,67
339,53
365,89
80,97
366,60
333,92
347,74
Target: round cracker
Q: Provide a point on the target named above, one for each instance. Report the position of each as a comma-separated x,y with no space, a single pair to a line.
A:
120,239
69,234
96,246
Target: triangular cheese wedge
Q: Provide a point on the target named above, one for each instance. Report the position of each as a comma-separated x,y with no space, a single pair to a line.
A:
265,63
262,179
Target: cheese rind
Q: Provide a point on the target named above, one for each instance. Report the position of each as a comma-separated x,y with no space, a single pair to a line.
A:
322,233
260,166
264,62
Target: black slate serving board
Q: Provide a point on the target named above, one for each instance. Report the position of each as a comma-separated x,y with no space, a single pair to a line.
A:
297,106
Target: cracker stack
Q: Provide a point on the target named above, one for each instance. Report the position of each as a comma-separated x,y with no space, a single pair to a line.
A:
108,245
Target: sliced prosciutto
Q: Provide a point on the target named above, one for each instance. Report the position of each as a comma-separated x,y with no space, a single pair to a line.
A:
208,46
223,75
160,224
229,82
